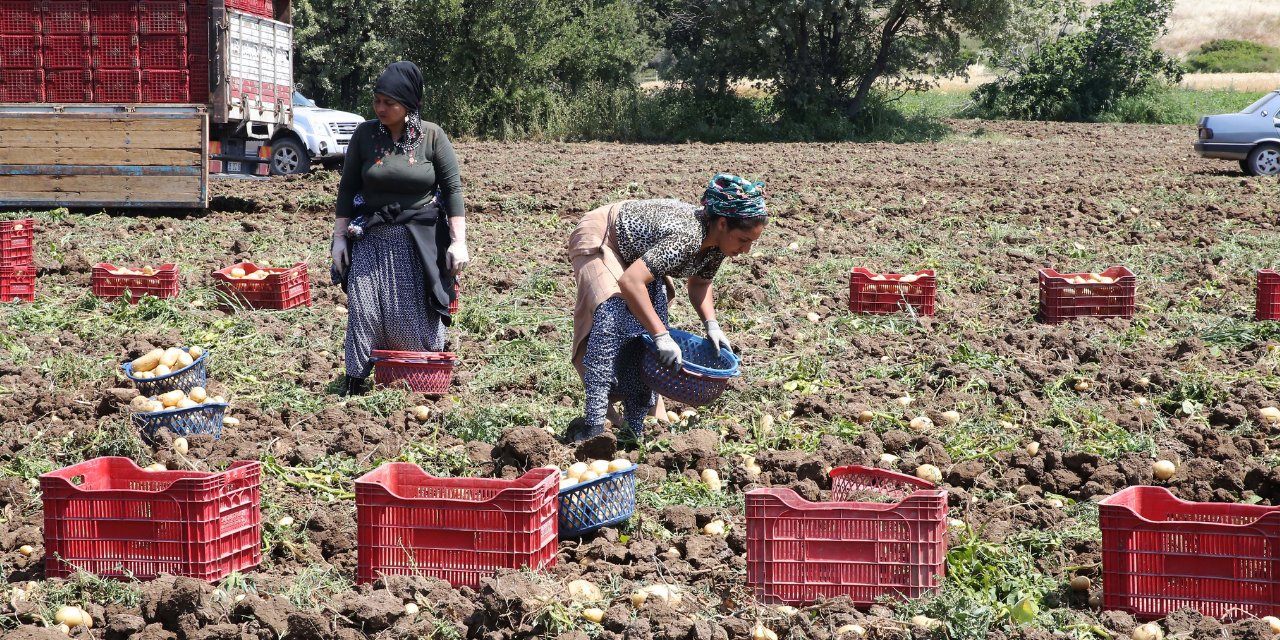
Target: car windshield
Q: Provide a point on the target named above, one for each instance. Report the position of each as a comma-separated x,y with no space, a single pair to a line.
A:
302,101
1260,103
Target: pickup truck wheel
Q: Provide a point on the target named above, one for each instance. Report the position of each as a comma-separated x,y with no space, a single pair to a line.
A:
1264,160
288,156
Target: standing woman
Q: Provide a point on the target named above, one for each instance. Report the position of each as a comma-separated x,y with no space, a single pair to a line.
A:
621,252
400,236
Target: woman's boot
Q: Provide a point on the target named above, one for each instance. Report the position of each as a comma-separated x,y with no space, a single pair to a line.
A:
352,386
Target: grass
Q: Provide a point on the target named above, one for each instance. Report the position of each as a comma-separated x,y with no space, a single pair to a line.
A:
1234,56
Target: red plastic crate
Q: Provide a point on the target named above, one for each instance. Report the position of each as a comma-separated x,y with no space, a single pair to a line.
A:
456,304
20,52
429,372
108,517
1267,306
17,242
117,85
18,283
885,293
113,52
198,65
263,8
1160,554
113,17
163,52
1061,299
164,284
165,86
799,551
21,85
65,17
458,529
283,288
19,17
162,17
68,85
66,52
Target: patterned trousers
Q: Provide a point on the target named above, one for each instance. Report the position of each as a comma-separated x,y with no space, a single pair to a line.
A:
612,361
387,299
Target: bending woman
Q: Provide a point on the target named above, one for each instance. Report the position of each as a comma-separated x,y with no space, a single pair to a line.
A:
620,254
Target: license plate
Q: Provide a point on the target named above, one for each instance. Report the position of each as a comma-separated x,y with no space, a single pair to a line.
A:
234,167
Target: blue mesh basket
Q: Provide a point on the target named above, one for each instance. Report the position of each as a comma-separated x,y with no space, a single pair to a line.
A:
703,376
203,419
605,501
192,375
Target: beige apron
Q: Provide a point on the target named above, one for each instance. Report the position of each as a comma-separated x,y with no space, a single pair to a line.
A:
597,267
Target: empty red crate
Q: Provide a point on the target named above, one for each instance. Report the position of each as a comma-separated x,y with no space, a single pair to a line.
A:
263,8
61,16
162,17
17,241
429,372
1064,296
799,551
19,17
455,304
68,85
198,65
1160,554
885,293
117,85
20,52
281,288
458,529
109,285
18,283
165,86
113,52
1267,306
114,17
108,517
66,52
21,85
163,52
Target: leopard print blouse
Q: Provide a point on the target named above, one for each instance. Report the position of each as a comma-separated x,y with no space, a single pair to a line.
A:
667,235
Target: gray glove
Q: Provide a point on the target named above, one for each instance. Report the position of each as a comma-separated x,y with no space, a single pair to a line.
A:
341,253
716,336
668,351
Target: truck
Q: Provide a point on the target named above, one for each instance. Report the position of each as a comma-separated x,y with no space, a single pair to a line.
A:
133,103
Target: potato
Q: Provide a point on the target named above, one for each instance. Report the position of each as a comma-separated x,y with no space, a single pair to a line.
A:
577,469
584,591
148,361
593,614
181,446
198,394
171,398
73,617
601,467
761,632
619,464
411,609
170,356
1163,469
195,352
160,370
185,360
567,482
1148,631
929,473
156,405
140,404
187,403
588,476
1081,583
237,272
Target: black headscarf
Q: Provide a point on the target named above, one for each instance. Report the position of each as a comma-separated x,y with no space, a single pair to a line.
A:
402,82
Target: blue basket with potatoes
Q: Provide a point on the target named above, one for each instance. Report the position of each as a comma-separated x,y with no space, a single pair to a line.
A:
181,414
703,375
162,370
596,496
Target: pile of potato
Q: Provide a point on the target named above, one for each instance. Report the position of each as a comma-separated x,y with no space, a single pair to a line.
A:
162,362
901,284
238,273
580,472
146,270
175,399
1091,278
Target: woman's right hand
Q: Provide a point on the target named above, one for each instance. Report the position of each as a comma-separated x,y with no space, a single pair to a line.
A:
341,253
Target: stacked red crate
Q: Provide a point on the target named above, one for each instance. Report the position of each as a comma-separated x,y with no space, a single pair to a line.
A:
17,260
198,52
21,63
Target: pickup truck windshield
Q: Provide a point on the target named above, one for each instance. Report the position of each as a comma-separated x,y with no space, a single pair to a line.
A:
302,101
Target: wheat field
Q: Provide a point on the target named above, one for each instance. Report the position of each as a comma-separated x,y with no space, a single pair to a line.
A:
1195,22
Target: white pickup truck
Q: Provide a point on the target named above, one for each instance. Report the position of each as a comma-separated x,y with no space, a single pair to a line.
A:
318,135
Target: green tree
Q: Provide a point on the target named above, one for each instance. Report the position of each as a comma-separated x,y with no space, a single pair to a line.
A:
340,46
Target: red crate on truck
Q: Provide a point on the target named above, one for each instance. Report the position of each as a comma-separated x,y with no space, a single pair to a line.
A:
163,52
17,242
885,293
68,85
117,85
280,288
109,284
113,52
458,529
110,518
1064,296
19,17
1161,554
263,8
1267,305
21,85
113,17
64,17
162,17
20,52
66,52
799,551
159,85
18,283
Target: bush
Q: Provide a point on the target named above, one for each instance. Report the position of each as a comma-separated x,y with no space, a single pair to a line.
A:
1234,56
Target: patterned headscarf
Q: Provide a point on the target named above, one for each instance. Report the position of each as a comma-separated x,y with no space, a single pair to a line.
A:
733,197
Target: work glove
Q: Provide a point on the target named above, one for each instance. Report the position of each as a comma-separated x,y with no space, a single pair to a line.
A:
341,253
457,258
669,354
716,336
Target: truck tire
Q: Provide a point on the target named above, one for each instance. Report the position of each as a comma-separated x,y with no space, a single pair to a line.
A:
289,156
1264,160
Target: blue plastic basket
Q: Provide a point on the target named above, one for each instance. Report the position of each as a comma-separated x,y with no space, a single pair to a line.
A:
703,376
203,419
605,501
192,375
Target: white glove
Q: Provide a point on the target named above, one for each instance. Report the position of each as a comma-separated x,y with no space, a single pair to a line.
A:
457,257
716,336
341,253
668,351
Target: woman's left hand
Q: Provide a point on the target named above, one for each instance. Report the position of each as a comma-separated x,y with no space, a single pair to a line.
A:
457,257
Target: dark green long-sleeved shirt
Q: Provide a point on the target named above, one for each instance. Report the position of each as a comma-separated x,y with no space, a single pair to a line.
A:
384,174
